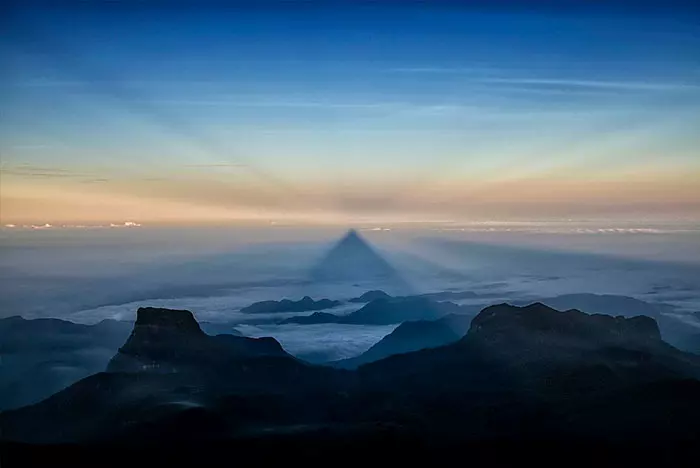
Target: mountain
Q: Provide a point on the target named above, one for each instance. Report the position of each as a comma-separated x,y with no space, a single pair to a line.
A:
167,371
531,374
436,296
539,325
285,305
370,296
166,340
401,309
412,336
417,335
352,258
43,356
673,330
407,337
386,311
609,304
536,349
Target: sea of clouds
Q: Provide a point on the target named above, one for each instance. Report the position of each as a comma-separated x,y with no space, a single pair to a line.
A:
91,276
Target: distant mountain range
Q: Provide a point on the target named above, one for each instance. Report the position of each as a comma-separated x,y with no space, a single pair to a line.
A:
674,331
528,372
386,311
436,296
285,305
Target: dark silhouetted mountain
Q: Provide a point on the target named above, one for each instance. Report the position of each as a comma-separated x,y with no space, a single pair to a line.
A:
521,373
168,367
534,321
400,309
166,340
43,356
407,337
674,331
386,312
370,296
353,259
540,323
608,304
537,348
285,305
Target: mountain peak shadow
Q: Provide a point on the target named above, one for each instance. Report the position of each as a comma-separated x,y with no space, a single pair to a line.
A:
353,258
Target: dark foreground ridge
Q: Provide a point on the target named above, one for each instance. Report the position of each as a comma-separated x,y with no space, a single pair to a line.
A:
520,377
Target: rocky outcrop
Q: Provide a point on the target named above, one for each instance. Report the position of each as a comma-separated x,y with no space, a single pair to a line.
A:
542,324
539,350
166,340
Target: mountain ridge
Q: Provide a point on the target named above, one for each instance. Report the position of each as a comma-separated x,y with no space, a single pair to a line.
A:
285,305
530,365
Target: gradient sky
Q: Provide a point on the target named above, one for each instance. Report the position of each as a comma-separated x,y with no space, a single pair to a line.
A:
330,112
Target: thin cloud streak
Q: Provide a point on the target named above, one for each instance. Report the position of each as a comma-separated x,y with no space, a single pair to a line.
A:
28,170
544,81
214,166
617,85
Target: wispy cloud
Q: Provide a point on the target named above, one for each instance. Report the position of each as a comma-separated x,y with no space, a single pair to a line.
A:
596,84
30,147
215,166
28,170
46,172
98,180
443,70
50,83
280,103
499,76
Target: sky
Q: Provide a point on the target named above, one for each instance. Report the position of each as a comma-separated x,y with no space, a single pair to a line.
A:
346,112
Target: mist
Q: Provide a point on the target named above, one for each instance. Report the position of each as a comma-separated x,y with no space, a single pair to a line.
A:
90,275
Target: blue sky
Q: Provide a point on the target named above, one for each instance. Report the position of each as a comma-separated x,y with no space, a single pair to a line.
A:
342,111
